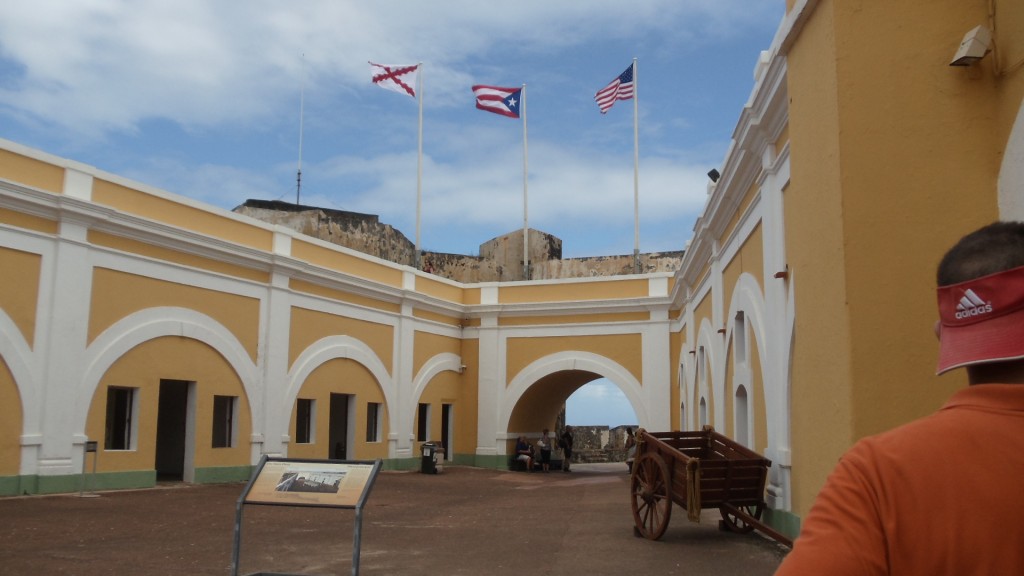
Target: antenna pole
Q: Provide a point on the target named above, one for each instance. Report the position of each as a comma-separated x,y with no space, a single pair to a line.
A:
302,102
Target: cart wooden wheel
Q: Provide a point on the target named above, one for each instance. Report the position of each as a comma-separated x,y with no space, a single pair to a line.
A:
651,487
737,523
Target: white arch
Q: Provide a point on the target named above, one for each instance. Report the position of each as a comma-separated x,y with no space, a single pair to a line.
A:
708,337
145,325
573,360
17,354
748,298
1011,173
446,361
326,349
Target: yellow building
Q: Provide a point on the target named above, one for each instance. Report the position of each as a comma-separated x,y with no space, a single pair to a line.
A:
188,341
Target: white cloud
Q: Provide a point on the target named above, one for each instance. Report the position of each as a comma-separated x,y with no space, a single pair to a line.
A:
599,403
201,98
100,65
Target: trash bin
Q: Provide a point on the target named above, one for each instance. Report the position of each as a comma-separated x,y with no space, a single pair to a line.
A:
428,462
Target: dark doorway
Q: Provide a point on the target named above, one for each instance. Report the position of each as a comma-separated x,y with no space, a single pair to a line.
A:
446,432
172,415
339,427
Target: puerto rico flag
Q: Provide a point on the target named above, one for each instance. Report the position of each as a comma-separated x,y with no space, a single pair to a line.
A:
401,79
504,101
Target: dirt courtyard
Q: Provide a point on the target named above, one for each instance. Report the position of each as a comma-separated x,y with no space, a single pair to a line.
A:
463,521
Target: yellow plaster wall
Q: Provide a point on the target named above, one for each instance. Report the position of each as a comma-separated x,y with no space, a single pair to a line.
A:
308,326
446,388
729,426
701,311
749,259
466,412
180,215
625,349
427,346
341,376
10,423
358,300
334,259
437,289
820,418
892,160
574,291
166,254
675,358
18,299
116,295
574,319
31,172
917,173
27,221
752,193
471,296
143,367
756,395
436,317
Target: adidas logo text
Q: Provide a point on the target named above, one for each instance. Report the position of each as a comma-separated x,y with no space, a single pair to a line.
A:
971,305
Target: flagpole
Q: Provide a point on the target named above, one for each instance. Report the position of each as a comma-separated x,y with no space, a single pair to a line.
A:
526,171
302,101
419,163
636,170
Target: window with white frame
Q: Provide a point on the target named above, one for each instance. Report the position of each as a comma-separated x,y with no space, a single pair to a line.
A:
120,423
373,424
305,421
739,335
742,416
224,408
423,423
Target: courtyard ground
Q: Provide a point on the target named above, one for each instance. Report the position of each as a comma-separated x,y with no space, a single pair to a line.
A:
463,521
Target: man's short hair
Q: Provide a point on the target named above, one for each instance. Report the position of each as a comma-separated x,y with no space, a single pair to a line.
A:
994,248
981,298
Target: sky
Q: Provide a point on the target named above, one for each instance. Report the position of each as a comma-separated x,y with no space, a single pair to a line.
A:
206,98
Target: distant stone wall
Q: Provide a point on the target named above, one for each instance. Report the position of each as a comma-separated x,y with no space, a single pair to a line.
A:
500,259
507,253
607,265
467,269
360,232
593,444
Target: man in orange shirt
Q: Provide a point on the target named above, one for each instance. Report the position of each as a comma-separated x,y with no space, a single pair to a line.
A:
943,494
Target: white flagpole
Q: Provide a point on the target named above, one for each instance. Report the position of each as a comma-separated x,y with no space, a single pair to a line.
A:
526,171
419,163
302,101
636,170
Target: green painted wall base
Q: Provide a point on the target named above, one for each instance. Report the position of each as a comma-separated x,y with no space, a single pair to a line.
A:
785,522
497,462
222,474
101,481
34,484
400,464
11,485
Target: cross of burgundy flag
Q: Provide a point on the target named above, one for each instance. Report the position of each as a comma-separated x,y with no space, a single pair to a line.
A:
619,89
504,101
401,79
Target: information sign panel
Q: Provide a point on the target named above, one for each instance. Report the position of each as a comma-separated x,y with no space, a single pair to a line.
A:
310,483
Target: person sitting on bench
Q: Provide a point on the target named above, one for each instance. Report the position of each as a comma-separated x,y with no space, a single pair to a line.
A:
524,452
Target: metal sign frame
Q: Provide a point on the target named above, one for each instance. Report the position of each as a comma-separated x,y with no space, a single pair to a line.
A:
301,482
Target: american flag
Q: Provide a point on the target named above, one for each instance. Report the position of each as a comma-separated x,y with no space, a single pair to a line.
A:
504,101
619,89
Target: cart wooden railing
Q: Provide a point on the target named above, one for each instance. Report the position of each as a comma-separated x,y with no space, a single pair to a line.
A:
697,470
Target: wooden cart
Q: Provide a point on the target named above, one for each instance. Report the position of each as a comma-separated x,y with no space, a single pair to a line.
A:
698,470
